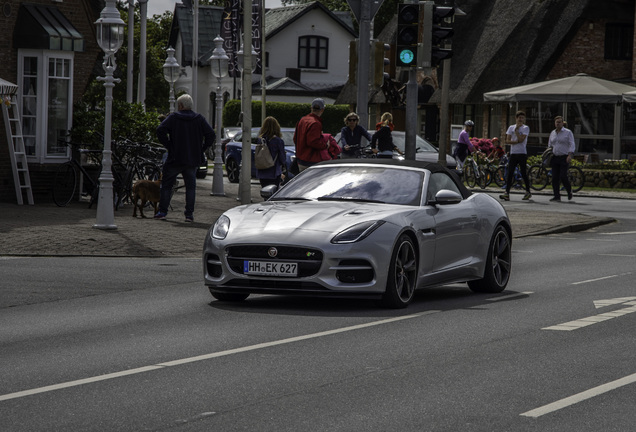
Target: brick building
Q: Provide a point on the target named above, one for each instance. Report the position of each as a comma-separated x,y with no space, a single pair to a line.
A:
49,49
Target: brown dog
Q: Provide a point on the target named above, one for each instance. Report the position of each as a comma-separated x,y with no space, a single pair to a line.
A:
147,191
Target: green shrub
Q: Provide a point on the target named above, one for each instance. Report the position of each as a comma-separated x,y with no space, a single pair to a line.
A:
128,120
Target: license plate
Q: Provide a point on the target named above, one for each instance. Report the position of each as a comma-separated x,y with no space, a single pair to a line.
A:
266,268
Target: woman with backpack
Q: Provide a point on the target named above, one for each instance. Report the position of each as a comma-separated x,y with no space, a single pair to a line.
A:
271,136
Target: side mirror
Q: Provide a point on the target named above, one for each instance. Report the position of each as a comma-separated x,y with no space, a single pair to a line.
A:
445,196
268,191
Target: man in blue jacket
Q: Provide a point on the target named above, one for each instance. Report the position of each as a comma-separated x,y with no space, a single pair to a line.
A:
186,135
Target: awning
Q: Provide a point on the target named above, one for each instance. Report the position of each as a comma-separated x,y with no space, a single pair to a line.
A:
7,88
578,88
45,27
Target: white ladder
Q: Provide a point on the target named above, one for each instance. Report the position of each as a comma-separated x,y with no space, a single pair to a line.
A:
17,153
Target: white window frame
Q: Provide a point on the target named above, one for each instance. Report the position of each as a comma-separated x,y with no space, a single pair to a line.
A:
42,92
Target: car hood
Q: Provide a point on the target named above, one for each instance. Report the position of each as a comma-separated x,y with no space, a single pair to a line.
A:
294,219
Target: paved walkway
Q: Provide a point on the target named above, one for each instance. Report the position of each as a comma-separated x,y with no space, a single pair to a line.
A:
47,230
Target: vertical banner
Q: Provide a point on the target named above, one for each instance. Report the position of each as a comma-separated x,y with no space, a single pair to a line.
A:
231,31
256,34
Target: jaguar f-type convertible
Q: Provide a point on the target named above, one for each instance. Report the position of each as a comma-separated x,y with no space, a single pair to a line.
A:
374,228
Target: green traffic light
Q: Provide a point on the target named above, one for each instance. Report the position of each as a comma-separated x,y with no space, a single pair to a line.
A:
407,56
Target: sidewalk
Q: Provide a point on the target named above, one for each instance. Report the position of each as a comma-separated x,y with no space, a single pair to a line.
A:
47,230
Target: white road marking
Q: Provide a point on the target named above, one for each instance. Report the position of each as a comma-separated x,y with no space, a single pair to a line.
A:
584,322
619,233
618,255
580,397
594,280
143,369
609,302
601,240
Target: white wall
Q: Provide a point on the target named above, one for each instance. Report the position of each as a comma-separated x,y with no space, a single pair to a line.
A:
283,50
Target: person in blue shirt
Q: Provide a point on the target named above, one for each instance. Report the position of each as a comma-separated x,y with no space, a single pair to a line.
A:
351,137
270,132
186,135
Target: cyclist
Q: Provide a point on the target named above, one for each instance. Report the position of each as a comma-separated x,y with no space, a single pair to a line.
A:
351,136
463,146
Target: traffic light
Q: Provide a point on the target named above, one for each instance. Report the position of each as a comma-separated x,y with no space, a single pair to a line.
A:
380,63
440,33
407,32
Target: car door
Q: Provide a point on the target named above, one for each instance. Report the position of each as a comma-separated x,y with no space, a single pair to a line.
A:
456,227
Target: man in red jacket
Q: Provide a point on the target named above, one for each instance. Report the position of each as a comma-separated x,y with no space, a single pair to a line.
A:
308,136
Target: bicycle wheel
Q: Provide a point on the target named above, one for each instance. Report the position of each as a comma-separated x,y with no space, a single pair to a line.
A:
482,178
64,184
500,176
469,175
538,177
576,177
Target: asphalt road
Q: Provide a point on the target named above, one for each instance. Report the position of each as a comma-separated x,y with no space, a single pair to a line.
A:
554,352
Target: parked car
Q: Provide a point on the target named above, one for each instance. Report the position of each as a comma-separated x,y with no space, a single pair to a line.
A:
424,150
360,228
234,152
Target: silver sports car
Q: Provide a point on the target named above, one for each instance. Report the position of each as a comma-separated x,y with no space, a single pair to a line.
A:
374,228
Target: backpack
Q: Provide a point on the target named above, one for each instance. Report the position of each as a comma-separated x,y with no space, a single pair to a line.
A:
262,156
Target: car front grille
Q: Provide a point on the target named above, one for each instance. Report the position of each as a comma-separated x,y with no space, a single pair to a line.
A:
309,260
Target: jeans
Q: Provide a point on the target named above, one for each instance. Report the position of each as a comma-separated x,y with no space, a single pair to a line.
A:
170,172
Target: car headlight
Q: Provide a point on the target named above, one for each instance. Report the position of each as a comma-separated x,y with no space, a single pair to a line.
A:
356,232
221,227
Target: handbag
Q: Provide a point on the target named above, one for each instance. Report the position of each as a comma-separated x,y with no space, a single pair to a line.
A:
262,156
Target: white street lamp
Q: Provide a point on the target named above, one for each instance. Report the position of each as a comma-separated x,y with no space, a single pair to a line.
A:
219,68
171,74
110,36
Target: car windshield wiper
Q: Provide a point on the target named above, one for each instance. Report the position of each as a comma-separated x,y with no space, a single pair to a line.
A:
331,198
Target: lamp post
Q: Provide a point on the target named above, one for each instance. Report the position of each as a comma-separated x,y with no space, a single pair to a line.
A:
171,74
219,68
246,65
110,36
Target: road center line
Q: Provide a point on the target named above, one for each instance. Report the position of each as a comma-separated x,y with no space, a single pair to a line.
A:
149,368
594,280
580,397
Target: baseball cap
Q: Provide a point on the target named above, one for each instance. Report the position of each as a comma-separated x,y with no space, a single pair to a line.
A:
318,103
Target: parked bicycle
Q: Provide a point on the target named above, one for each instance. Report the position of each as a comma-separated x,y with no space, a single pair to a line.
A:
541,176
67,179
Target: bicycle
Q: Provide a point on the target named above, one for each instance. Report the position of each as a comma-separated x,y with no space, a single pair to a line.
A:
541,176
474,174
65,181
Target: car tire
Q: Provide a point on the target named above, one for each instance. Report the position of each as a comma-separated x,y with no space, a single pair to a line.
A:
400,286
201,174
230,297
233,170
498,264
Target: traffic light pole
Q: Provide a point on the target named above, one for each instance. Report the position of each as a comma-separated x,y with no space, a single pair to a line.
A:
362,79
410,122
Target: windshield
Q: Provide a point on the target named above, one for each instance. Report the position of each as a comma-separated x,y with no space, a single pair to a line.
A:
356,183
